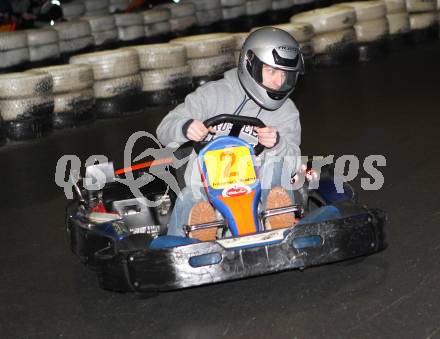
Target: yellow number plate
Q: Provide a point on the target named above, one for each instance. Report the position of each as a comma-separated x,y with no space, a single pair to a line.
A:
230,166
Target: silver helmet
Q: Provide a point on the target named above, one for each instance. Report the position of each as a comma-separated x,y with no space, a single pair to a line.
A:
270,49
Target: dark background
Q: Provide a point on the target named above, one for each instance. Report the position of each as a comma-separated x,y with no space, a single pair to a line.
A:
388,107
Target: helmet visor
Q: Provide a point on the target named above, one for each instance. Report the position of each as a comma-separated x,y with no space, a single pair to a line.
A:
276,81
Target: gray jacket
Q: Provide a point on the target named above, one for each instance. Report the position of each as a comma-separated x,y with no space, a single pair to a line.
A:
228,96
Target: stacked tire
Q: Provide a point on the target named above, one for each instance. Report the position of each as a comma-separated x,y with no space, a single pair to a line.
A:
96,7
103,30
423,19
183,19
166,76
14,52
209,55
398,23
209,14
334,40
157,25
26,104
118,6
130,27
118,83
234,15
73,10
256,12
371,28
75,37
73,94
281,10
44,46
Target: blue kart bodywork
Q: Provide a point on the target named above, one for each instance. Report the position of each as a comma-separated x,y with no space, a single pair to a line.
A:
128,247
338,230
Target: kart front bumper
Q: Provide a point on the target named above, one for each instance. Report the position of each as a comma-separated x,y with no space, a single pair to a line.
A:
302,246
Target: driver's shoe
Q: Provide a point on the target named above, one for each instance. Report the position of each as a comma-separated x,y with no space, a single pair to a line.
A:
202,213
278,197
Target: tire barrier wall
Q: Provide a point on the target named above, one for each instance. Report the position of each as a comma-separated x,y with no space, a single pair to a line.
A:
398,24
165,21
118,83
209,55
160,75
26,104
73,94
14,50
423,20
334,36
166,75
130,27
74,37
157,26
43,46
103,29
371,28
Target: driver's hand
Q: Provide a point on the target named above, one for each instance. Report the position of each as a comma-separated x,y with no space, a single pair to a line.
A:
267,136
197,131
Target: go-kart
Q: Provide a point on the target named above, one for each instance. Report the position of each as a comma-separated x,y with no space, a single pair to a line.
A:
125,240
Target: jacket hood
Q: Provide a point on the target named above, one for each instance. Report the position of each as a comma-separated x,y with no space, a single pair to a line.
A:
239,92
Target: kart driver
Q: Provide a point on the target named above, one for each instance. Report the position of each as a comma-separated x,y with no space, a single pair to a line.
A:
269,64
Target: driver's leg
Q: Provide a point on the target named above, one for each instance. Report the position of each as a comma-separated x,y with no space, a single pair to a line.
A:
275,172
188,197
276,190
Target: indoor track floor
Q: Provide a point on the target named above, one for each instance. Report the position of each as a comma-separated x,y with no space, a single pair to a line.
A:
389,107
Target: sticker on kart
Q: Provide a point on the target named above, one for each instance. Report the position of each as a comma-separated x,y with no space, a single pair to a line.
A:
230,167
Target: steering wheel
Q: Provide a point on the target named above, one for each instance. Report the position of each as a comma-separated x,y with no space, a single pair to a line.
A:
237,121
